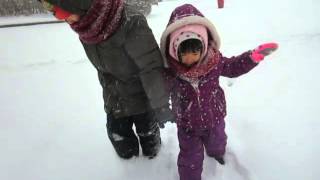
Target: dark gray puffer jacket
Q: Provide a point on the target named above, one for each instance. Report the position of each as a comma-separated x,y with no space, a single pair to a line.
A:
129,64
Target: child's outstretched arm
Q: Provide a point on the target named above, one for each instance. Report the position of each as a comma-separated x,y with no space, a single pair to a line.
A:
238,65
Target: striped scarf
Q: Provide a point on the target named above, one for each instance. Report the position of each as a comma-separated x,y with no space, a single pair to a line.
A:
100,21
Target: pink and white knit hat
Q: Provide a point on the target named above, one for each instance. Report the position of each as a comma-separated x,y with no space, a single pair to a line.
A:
191,31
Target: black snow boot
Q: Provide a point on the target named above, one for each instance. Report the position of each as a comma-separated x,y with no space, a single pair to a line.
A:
220,160
122,136
149,134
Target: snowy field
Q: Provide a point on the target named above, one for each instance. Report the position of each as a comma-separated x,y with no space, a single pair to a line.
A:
53,122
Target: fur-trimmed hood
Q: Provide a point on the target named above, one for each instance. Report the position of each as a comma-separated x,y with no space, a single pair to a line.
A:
182,16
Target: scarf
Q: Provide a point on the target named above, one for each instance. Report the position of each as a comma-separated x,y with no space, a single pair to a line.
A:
100,21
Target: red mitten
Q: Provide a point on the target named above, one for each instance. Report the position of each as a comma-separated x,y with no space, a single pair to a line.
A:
263,50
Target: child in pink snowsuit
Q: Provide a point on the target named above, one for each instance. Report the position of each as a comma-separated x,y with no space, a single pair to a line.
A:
190,45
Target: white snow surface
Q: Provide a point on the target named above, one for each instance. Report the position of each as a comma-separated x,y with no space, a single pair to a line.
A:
51,106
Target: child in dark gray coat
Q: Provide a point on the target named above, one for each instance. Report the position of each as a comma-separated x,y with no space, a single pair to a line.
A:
121,46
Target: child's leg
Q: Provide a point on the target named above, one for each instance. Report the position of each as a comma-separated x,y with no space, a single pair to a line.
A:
216,141
122,136
190,157
149,133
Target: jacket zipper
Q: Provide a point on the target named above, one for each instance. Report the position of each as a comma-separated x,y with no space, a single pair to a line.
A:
195,86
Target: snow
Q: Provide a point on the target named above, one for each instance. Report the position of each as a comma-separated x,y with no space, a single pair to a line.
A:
53,122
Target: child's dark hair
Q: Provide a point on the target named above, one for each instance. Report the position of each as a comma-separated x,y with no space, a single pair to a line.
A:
190,45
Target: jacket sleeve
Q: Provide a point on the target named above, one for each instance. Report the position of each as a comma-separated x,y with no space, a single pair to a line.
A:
79,7
142,47
237,65
170,78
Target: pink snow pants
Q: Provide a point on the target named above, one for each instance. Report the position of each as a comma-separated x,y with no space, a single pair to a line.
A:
192,146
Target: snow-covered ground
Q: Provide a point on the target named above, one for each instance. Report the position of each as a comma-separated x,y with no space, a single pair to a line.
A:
51,107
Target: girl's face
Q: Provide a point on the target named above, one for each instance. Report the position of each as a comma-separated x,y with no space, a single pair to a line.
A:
190,58
72,18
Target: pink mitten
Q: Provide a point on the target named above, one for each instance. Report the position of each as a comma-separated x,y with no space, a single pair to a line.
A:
263,50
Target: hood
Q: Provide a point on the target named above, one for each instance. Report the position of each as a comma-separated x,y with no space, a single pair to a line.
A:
182,16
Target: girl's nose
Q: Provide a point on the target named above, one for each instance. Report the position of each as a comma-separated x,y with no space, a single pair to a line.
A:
190,57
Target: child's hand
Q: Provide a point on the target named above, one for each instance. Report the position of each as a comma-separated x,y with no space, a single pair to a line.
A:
164,115
263,50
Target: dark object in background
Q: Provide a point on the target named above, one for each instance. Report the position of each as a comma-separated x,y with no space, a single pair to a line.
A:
22,7
220,4
143,6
